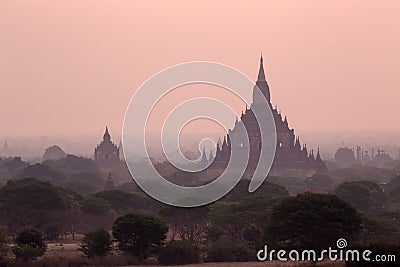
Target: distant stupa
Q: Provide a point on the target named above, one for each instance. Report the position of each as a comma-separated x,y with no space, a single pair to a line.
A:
6,151
106,153
53,153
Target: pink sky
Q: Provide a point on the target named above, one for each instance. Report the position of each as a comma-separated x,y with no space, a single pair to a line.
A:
70,67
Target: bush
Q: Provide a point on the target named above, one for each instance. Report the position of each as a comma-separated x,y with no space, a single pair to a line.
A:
311,221
29,245
178,252
138,234
4,241
228,251
96,243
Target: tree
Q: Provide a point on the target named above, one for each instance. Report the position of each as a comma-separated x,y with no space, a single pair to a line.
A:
320,182
4,241
138,234
96,213
129,187
121,201
72,164
96,243
95,206
35,203
44,172
189,224
53,232
226,220
241,221
178,252
29,245
225,250
267,189
362,172
15,166
380,228
312,221
363,195
394,189
85,182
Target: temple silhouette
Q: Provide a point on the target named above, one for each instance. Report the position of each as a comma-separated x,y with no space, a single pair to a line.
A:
290,153
106,153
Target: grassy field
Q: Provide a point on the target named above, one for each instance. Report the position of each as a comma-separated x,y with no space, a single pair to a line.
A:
259,264
56,251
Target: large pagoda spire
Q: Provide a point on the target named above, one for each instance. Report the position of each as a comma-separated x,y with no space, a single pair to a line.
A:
261,84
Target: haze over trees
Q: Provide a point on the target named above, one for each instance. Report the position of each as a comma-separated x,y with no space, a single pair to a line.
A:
363,195
66,198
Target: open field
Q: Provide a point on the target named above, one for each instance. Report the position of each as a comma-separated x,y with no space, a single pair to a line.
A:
70,250
259,264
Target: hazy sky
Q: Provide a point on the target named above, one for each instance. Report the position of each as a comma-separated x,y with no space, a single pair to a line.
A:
70,67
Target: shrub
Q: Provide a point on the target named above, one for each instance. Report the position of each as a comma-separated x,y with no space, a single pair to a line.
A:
138,234
4,241
4,247
96,243
29,245
228,251
178,252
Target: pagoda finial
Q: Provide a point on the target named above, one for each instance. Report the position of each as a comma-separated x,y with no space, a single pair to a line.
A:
261,85
261,73
106,136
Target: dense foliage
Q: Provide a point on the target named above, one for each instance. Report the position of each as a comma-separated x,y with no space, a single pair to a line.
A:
62,197
138,234
96,243
312,221
178,252
29,245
